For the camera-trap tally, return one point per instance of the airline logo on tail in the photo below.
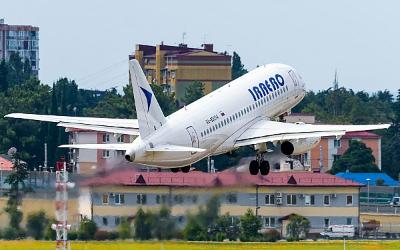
(148, 96)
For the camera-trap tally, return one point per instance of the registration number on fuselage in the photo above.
(212, 119)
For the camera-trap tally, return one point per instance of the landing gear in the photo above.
(259, 165)
(253, 168)
(185, 169)
(174, 170)
(264, 167)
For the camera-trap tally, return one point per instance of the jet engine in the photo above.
(299, 146)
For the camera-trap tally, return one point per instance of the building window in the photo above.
(269, 199)
(291, 199)
(336, 143)
(349, 221)
(231, 198)
(178, 199)
(327, 200)
(105, 221)
(194, 198)
(326, 222)
(106, 153)
(117, 221)
(309, 200)
(141, 199)
(120, 138)
(336, 157)
(106, 138)
(161, 199)
(120, 152)
(119, 199)
(349, 200)
(105, 198)
(269, 222)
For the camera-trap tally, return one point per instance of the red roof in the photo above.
(131, 177)
(5, 164)
(361, 134)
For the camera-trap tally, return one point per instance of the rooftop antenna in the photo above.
(336, 81)
(183, 37)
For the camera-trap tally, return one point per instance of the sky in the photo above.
(89, 41)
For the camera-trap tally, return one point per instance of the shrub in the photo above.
(10, 233)
(49, 233)
(298, 227)
(72, 235)
(87, 229)
(36, 224)
(250, 224)
(272, 235)
(101, 235)
(113, 235)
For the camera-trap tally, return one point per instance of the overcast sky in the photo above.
(90, 41)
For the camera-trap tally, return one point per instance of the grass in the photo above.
(172, 245)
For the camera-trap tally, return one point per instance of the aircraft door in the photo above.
(294, 78)
(193, 137)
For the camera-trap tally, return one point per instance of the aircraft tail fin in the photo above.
(149, 114)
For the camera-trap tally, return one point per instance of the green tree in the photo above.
(143, 225)
(87, 229)
(237, 67)
(165, 228)
(36, 224)
(3, 76)
(357, 158)
(124, 229)
(16, 179)
(193, 231)
(227, 227)
(193, 92)
(298, 227)
(49, 233)
(250, 225)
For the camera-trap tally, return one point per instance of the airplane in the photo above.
(240, 113)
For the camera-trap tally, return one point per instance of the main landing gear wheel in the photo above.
(175, 170)
(253, 167)
(264, 167)
(185, 169)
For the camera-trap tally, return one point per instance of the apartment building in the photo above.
(21, 39)
(323, 199)
(177, 67)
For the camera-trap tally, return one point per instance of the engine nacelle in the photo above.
(299, 146)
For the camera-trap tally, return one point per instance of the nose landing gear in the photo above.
(259, 165)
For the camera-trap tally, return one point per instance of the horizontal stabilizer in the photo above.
(114, 130)
(173, 148)
(107, 146)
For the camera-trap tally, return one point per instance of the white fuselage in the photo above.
(215, 121)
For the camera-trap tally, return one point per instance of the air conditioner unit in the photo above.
(333, 195)
(278, 200)
(302, 196)
(111, 194)
(279, 195)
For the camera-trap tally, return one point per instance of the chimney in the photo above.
(208, 47)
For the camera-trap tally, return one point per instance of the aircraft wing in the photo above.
(105, 146)
(269, 131)
(111, 125)
(174, 148)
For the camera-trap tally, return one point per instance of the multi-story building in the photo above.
(21, 39)
(176, 67)
(331, 148)
(322, 198)
(87, 161)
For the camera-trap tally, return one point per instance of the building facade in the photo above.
(177, 67)
(21, 39)
(88, 161)
(331, 148)
(323, 199)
